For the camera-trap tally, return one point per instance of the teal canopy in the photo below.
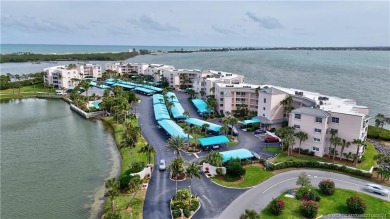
(177, 111)
(147, 91)
(239, 153)
(173, 129)
(250, 121)
(160, 112)
(201, 106)
(199, 122)
(169, 95)
(158, 99)
(222, 139)
(124, 85)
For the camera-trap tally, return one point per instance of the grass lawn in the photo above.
(26, 91)
(273, 149)
(376, 132)
(126, 153)
(232, 143)
(365, 165)
(253, 176)
(331, 204)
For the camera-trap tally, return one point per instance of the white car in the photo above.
(162, 165)
(374, 188)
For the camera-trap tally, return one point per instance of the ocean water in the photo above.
(53, 161)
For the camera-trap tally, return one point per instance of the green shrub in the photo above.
(273, 130)
(277, 206)
(176, 213)
(377, 133)
(230, 178)
(113, 215)
(219, 171)
(356, 205)
(309, 209)
(187, 213)
(234, 168)
(308, 194)
(137, 167)
(124, 180)
(327, 187)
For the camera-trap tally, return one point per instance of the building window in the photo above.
(318, 120)
(263, 108)
(297, 126)
(298, 116)
(220, 104)
(335, 120)
(317, 130)
(265, 100)
(335, 131)
(316, 140)
(316, 149)
(263, 114)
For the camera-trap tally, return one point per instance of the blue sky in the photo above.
(202, 23)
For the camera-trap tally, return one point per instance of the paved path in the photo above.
(258, 197)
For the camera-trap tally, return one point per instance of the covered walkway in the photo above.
(144, 91)
(160, 112)
(198, 122)
(221, 139)
(239, 153)
(158, 99)
(170, 95)
(173, 129)
(177, 111)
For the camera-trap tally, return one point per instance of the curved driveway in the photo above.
(258, 197)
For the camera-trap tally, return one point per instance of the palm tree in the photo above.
(172, 97)
(336, 141)
(169, 106)
(250, 214)
(191, 171)
(358, 143)
(224, 129)
(205, 126)
(380, 121)
(348, 155)
(302, 136)
(134, 186)
(85, 85)
(196, 131)
(344, 144)
(176, 168)
(148, 150)
(189, 131)
(112, 186)
(286, 102)
(288, 140)
(233, 121)
(214, 158)
(176, 144)
(186, 114)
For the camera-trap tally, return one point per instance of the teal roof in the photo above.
(160, 112)
(169, 95)
(201, 105)
(177, 111)
(239, 153)
(213, 140)
(151, 87)
(158, 99)
(199, 122)
(250, 121)
(173, 129)
(124, 85)
(144, 90)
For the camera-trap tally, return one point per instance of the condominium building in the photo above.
(127, 68)
(67, 76)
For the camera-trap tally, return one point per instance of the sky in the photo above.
(197, 23)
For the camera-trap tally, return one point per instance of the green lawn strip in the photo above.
(376, 132)
(232, 143)
(127, 159)
(330, 205)
(253, 176)
(364, 165)
(26, 91)
(273, 149)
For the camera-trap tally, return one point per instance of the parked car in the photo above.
(162, 165)
(216, 146)
(271, 139)
(374, 188)
(260, 131)
(233, 129)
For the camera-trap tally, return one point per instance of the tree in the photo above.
(196, 132)
(234, 168)
(224, 130)
(288, 141)
(189, 131)
(277, 206)
(191, 171)
(286, 102)
(303, 180)
(112, 191)
(302, 136)
(205, 126)
(344, 144)
(134, 186)
(380, 121)
(358, 143)
(336, 141)
(148, 150)
(186, 114)
(85, 85)
(176, 168)
(176, 144)
(356, 205)
(250, 214)
(232, 121)
(214, 158)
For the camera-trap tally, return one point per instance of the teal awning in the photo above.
(170, 95)
(222, 139)
(177, 111)
(160, 112)
(239, 153)
(158, 99)
(201, 106)
(250, 121)
(199, 122)
(173, 129)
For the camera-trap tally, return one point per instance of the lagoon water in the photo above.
(53, 161)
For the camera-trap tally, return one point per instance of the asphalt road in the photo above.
(258, 197)
(161, 189)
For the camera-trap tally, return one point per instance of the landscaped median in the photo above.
(129, 157)
(253, 176)
(330, 205)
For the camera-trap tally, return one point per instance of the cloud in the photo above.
(266, 22)
(150, 24)
(222, 30)
(32, 24)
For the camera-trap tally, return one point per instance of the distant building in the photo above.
(67, 76)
